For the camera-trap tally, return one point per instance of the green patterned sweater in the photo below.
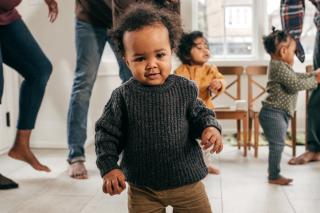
(284, 84)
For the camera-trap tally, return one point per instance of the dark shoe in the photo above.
(6, 183)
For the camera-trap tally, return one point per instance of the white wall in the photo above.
(57, 41)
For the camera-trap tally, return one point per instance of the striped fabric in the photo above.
(292, 14)
(316, 3)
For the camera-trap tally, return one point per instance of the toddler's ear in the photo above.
(283, 51)
(125, 60)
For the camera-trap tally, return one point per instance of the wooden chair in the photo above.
(234, 114)
(253, 112)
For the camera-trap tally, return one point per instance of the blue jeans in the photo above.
(274, 123)
(313, 131)
(20, 51)
(90, 43)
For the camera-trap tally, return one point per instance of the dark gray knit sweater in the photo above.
(155, 127)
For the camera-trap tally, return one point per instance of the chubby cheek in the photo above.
(166, 69)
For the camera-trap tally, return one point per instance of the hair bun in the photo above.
(273, 29)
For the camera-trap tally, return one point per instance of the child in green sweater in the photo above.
(282, 88)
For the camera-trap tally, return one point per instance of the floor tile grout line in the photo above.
(220, 178)
(287, 196)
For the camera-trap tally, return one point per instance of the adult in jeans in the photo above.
(292, 13)
(93, 19)
(20, 51)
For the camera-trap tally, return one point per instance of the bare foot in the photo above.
(213, 170)
(77, 170)
(305, 158)
(316, 157)
(25, 154)
(281, 181)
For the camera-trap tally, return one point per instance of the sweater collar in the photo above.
(158, 88)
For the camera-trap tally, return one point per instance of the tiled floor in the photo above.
(241, 187)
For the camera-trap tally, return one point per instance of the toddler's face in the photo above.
(148, 54)
(200, 52)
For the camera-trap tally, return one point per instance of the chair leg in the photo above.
(250, 132)
(238, 133)
(294, 133)
(245, 134)
(256, 136)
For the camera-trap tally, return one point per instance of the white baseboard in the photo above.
(46, 144)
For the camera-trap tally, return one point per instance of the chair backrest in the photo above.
(236, 71)
(251, 72)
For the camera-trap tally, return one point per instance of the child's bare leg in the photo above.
(207, 160)
(77, 170)
(281, 181)
(21, 151)
(213, 170)
(305, 158)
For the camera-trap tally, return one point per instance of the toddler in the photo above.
(153, 119)
(194, 53)
(282, 88)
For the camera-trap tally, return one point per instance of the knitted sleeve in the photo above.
(290, 80)
(109, 135)
(199, 116)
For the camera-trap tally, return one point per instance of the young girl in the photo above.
(153, 119)
(194, 53)
(282, 87)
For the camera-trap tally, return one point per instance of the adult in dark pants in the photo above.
(292, 13)
(20, 51)
(93, 19)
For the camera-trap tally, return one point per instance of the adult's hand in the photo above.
(53, 10)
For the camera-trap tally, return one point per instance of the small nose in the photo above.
(151, 64)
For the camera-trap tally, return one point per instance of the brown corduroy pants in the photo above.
(190, 198)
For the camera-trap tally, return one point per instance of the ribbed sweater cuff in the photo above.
(106, 167)
(210, 122)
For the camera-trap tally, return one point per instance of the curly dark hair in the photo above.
(140, 15)
(272, 40)
(186, 44)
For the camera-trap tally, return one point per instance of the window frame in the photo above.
(259, 27)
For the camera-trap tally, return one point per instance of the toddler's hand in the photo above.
(212, 137)
(215, 85)
(318, 75)
(114, 182)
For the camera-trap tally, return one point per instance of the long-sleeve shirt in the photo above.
(202, 76)
(284, 84)
(155, 127)
(104, 13)
(96, 12)
(8, 12)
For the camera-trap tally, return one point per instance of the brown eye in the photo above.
(138, 59)
(161, 55)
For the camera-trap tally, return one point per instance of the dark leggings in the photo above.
(20, 51)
